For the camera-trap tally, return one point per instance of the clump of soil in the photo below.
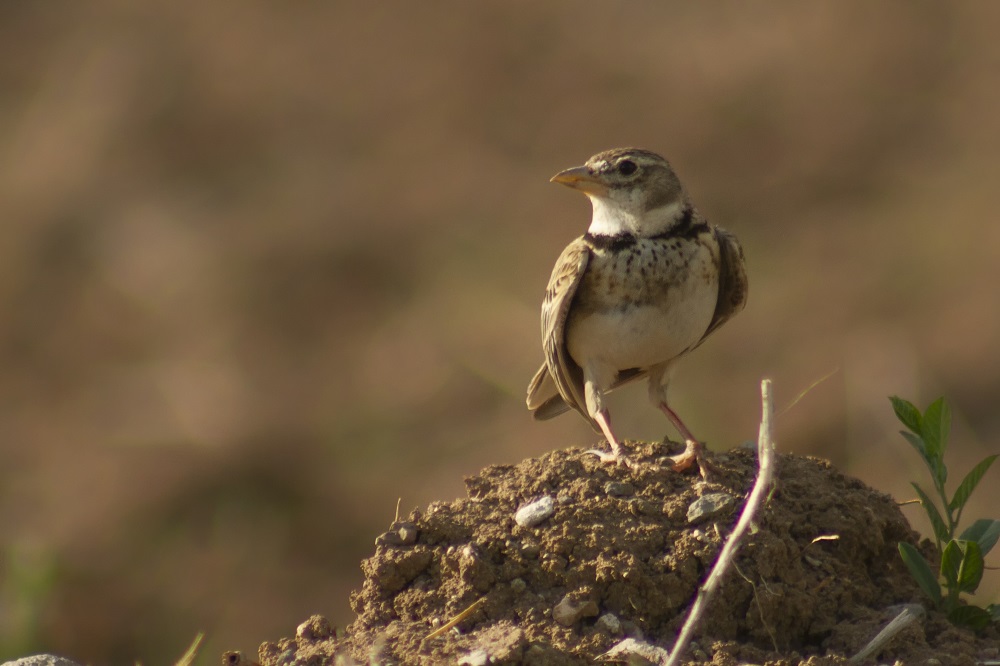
(620, 556)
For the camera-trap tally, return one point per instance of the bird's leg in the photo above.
(595, 405)
(694, 451)
(604, 420)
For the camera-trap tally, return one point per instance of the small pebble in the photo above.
(626, 649)
(388, 539)
(407, 532)
(710, 506)
(41, 660)
(518, 586)
(535, 512)
(619, 489)
(568, 611)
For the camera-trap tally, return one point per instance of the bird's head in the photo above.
(633, 191)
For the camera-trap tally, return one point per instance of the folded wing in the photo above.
(560, 372)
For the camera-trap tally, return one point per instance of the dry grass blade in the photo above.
(807, 389)
(188, 657)
(825, 537)
(765, 461)
(908, 616)
(455, 620)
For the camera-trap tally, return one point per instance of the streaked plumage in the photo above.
(648, 283)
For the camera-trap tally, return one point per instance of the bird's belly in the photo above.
(640, 335)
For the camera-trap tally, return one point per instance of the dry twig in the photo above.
(765, 461)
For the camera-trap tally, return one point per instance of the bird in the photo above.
(647, 284)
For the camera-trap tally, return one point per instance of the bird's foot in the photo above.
(614, 457)
(694, 452)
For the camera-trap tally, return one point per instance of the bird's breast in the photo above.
(644, 304)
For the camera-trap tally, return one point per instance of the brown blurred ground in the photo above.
(265, 268)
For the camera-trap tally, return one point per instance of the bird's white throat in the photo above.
(611, 218)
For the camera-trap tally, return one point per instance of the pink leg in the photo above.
(597, 411)
(676, 420)
(617, 455)
(694, 452)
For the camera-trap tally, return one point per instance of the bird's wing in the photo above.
(732, 281)
(564, 372)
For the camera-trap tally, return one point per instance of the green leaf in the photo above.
(994, 611)
(917, 443)
(906, 412)
(921, 571)
(985, 532)
(951, 563)
(940, 473)
(934, 428)
(970, 572)
(941, 533)
(970, 482)
(973, 617)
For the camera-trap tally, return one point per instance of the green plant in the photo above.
(961, 558)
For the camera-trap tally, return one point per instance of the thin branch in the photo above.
(765, 461)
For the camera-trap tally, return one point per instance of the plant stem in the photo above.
(947, 509)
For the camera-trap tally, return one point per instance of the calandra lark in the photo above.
(649, 281)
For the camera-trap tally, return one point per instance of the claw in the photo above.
(617, 455)
(694, 452)
(612, 458)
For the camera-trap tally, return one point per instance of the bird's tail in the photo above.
(544, 400)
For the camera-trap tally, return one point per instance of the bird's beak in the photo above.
(581, 178)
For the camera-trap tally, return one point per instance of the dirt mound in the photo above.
(618, 552)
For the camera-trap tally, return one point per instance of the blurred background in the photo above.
(267, 268)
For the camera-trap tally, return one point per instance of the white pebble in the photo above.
(533, 513)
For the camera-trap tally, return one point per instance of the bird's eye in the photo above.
(627, 167)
